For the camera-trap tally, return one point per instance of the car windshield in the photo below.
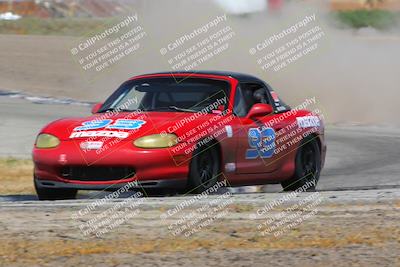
(168, 94)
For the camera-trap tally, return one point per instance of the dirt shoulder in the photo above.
(350, 228)
(43, 65)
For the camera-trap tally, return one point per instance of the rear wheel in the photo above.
(308, 167)
(204, 169)
(54, 193)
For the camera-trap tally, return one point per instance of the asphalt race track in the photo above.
(358, 157)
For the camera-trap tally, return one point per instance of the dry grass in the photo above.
(16, 176)
(29, 251)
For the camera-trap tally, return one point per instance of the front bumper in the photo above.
(153, 168)
(171, 183)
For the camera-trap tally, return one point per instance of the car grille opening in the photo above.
(96, 173)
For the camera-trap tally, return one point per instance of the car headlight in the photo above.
(47, 141)
(156, 141)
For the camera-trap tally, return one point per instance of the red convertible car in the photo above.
(181, 132)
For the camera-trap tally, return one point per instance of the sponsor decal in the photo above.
(95, 145)
(308, 121)
(275, 96)
(123, 124)
(230, 167)
(87, 129)
(229, 131)
(115, 134)
(281, 108)
(62, 159)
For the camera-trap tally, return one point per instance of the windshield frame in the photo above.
(128, 85)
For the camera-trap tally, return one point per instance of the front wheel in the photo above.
(307, 169)
(204, 169)
(45, 193)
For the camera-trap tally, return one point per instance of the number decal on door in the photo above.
(261, 142)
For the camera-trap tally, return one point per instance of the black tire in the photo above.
(204, 170)
(54, 193)
(307, 168)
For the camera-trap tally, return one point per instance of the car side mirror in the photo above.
(259, 110)
(96, 107)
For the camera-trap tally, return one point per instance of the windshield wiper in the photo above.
(173, 108)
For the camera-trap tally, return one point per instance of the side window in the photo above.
(280, 106)
(240, 107)
(248, 94)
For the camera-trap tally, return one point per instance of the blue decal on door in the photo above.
(261, 142)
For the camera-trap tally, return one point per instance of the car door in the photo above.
(256, 137)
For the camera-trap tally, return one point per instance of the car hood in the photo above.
(151, 123)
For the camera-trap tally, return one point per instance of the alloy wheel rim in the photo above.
(309, 164)
(206, 168)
